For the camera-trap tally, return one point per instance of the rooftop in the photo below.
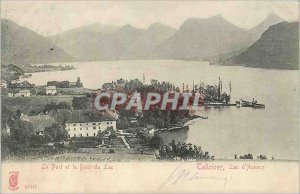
(40, 122)
(24, 91)
(60, 115)
(50, 87)
(86, 116)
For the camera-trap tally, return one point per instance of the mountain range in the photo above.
(125, 42)
(196, 39)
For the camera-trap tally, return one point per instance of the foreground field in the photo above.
(26, 104)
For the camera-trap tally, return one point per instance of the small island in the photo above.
(46, 67)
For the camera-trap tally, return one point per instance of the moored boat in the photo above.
(252, 104)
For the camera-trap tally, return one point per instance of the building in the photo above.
(5, 131)
(113, 113)
(51, 90)
(23, 93)
(85, 123)
(66, 84)
(40, 122)
(18, 84)
(10, 94)
(15, 81)
(3, 84)
(76, 84)
(24, 117)
(72, 84)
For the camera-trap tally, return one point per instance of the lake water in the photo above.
(272, 131)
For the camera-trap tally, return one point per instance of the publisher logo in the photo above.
(13, 180)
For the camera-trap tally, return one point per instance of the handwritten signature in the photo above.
(181, 175)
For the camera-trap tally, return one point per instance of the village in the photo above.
(59, 118)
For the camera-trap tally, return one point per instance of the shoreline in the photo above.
(28, 69)
(184, 125)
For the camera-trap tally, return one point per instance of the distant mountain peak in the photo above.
(273, 16)
(216, 20)
(158, 26)
(214, 17)
(90, 28)
(128, 26)
(21, 45)
(219, 16)
(129, 29)
(99, 25)
(270, 51)
(270, 20)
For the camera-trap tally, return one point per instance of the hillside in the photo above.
(19, 45)
(277, 48)
(84, 42)
(259, 29)
(198, 38)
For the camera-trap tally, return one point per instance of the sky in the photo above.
(52, 17)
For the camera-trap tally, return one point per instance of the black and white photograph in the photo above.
(209, 84)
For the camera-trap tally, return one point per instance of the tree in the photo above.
(5, 117)
(21, 131)
(113, 133)
(134, 85)
(49, 107)
(64, 105)
(55, 133)
(123, 123)
(36, 141)
(54, 106)
(155, 141)
(101, 134)
(18, 114)
(80, 102)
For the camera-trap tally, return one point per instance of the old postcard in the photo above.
(149, 96)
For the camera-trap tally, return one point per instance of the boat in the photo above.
(251, 104)
(214, 104)
(238, 104)
(254, 105)
(218, 104)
